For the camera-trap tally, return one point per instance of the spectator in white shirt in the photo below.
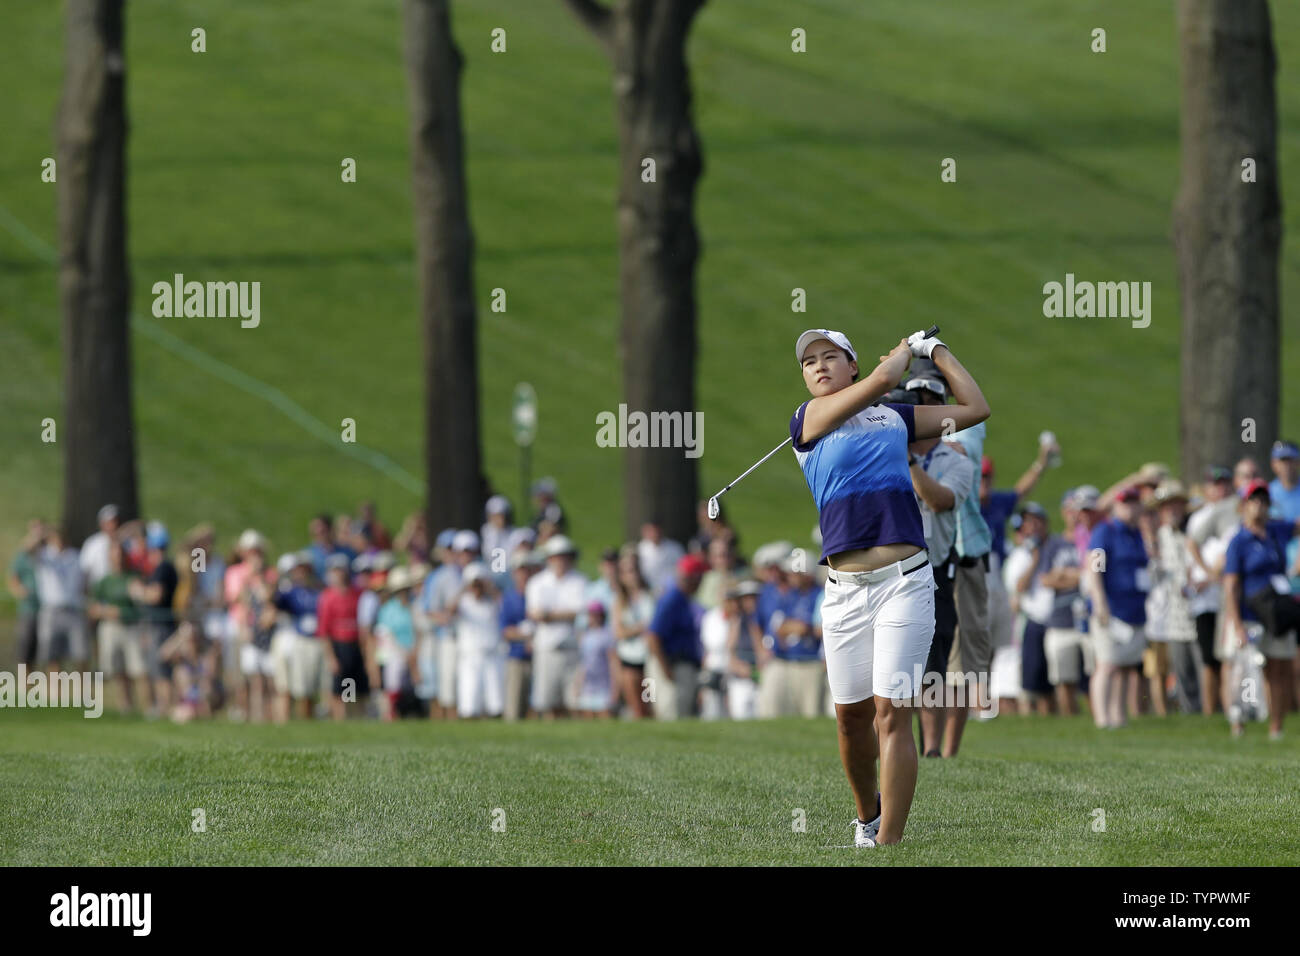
(94, 552)
(1209, 529)
(480, 649)
(496, 532)
(715, 635)
(554, 598)
(61, 626)
(658, 556)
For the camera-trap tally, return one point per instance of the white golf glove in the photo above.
(921, 346)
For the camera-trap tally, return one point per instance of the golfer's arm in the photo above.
(971, 407)
(828, 412)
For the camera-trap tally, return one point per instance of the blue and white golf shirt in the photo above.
(859, 479)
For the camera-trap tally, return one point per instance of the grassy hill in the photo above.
(822, 171)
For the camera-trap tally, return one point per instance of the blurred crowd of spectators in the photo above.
(1148, 595)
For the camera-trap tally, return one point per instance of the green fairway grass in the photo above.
(118, 791)
(821, 172)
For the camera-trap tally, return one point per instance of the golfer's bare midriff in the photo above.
(868, 559)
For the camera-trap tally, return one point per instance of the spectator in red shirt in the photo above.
(346, 650)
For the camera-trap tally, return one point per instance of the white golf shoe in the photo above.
(863, 833)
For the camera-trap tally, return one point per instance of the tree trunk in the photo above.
(444, 249)
(97, 431)
(1227, 233)
(658, 243)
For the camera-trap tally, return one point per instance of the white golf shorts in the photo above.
(877, 636)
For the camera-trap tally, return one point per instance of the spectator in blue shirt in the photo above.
(1119, 580)
(1255, 567)
(673, 642)
(770, 610)
(1284, 490)
(301, 663)
(798, 643)
(517, 631)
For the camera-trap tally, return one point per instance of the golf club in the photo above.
(714, 510)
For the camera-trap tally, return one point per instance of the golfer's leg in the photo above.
(897, 766)
(848, 641)
(902, 634)
(855, 728)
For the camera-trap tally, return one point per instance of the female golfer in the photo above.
(878, 611)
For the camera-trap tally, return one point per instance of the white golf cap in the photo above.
(287, 562)
(812, 335)
(559, 544)
(465, 541)
(107, 513)
(498, 505)
(474, 571)
(399, 579)
(250, 540)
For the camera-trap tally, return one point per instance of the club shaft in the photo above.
(755, 465)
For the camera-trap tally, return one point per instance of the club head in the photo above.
(714, 511)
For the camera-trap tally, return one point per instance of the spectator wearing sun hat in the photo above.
(673, 644)
(394, 631)
(1258, 602)
(554, 598)
(1173, 564)
(745, 645)
(240, 662)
